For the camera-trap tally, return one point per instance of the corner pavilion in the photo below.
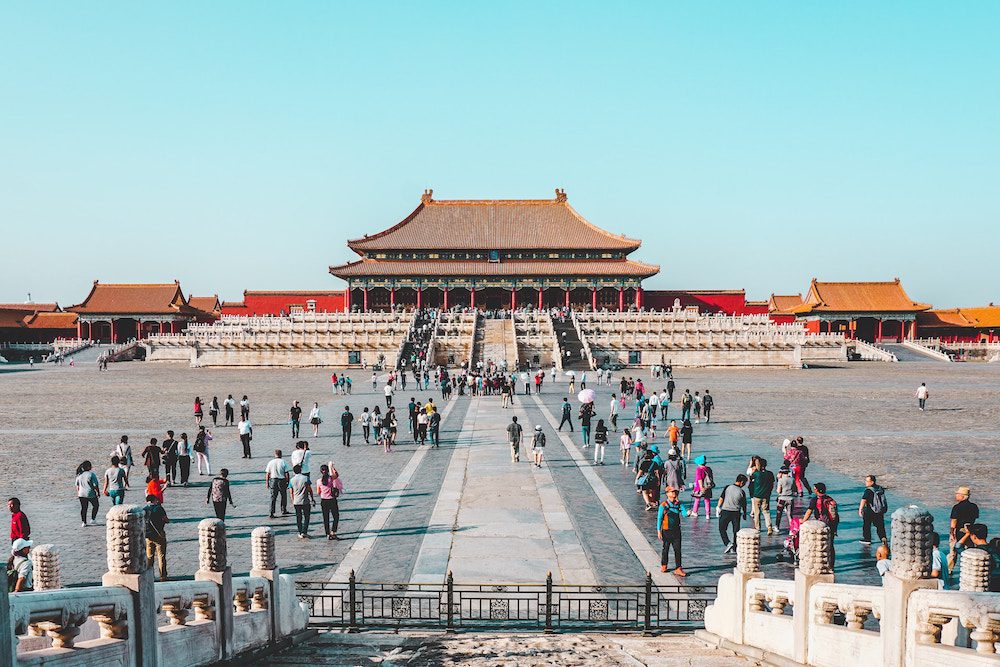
(494, 254)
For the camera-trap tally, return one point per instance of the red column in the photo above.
(913, 329)
(472, 297)
(540, 303)
(114, 336)
(364, 300)
(567, 297)
(420, 291)
(513, 298)
(638, 298)
(138, 329)
(79, 328)
(347, 299)
(593, 299)
(446, 298)
(878, 335)
(621, 299)
(392, 297)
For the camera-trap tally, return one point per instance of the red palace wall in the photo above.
(274, 303)
(732, 302)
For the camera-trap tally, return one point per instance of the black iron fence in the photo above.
(549, 607)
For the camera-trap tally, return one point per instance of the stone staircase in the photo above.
(569, 339)
(499, 342)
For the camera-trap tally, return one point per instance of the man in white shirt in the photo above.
(301, 456)
(922, 396)
(276, 476)
(245, 429)
(388, 395)
(613, 415)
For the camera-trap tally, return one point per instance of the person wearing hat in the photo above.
(668, 528)
(704, 482)
(963, 514)
(22, 565)
(538, 445)
(674, 470)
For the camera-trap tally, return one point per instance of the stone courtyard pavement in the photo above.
(416, 513)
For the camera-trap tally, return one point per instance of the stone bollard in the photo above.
(912, 553)
(45, 559)
(213, 565)
(127, 567)
(747, 568)
(974, 576)
(264, 564)
(748, 550)
(814, 568)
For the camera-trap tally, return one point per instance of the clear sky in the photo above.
(237, 145)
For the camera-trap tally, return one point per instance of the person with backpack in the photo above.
(201, 440)
(707, 403)
(169, 456)
(567, 415)
(687, 401)
(156, 534)
(20, 569)
(123, 451)
(538, 445)
(600, 442)
(704, 482)
(824, 508)
(731, 506)
(872, 511)
(668, 528)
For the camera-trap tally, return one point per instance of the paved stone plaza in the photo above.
(418, 512)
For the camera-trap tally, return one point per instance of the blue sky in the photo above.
(238, 145)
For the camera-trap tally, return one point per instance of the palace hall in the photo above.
(494, 254)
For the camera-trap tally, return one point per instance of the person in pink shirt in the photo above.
(704, 482)
(328, 488)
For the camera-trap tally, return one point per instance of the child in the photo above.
(625, 444)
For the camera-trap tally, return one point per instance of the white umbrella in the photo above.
(586, 396)
(571, 373)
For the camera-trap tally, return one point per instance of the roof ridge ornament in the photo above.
(561, 196)
(426, 198)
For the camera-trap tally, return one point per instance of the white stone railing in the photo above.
(213, 618)
(920, 348)
(583, 340)
(68, 346)
(811, 620)
(869, 352)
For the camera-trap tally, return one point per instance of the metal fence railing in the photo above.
(548, 607)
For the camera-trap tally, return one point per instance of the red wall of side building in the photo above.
(274, 303)
(732, 302)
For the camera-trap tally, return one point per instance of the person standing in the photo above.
(219, 494)
(761, 486)
(245, 430)
(538, 446)
(707, 403)
(786, 497)
(798, 461)
(964, 513)
(151, 458)
(422, 422)
(872, 511)
(824, 508)
(169, 457)
(731, 506)
(922, 395)
(22, 569)
(184, 452)
(213, 411)
(230, 407)
(315, 419)
(115, 481)
(514, 438)
(276, 476)
(388, 395)
(366, 425)
(295, 414)
(244, 407)
(201, 441)
(328, 488)
(434, 428)
(87, 491)
(156, 534)
(346, 424)
(668, 528)
(199, 410)
(600, 442)
(567, 415)
(374, 381)
(302, 501)
(302, 457)
(586, 412)
(20, 528)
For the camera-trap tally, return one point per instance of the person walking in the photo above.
(244, 407)
(514, 438)
(537, 445)
(872, 510)
(388, 395)
(786, 497)
(687, 401)
(366, 425)
(316, 420)
(302, 457)
(276, 477)
(668, 528)
(600, 442)
(798, 461)
(346, 424)
(328, 488)
(625, 447)
(707, 403)
(123, 451)
(115, 482)
(567, 415)
(687, 435)
(87, 491)
(295, 415)
(156, 534)
(613, 414)
(169, 457)
(674, 470)
(422, 421)
(154, 487)
(670, 389)
(219, 494)
(229, 405)
(199, 410)
(184, 452)
(731, 507)
(434, 428)
(21, 568)
(151, 458)
(704, 485)
(922, 395)
(201, 453)
(20, 528)
(761, 486)
(302, 500)
(213, 411)
(245, 430)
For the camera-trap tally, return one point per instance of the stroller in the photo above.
(790, 551)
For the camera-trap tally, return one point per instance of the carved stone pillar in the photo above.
(127, 567)
(814, 568)
(748, 551)
(814, 548)
(45, 559)
(974, 576)
(912, 551)
(213, 565)
(264, 564)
